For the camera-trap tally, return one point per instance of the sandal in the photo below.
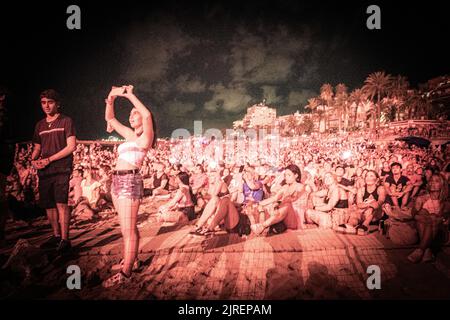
(117, 279)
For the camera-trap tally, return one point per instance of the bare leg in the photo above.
(52, 215)
(224, 211)
(278, 216)
(368, 217)
(64, 219)
(127, 210)
(355, 218)
(405, 200)
(425, 242)
(210, 208)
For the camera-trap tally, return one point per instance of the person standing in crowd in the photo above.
(54, 143)
(127, 184)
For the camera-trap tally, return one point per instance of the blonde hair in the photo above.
(443, 194)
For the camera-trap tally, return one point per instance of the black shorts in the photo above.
(53, 189)
(189, 212)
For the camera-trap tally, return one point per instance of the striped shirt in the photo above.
(52, 136)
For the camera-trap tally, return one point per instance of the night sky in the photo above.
(193, 60)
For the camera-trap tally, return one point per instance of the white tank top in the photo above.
(131, 153)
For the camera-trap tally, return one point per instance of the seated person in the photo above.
(226, 176)
(277, 182)
(385, 170)
(173, 174)
(199, 183)
(218, 208)
(90, 192)
(181, 207)
(105, 198)
(431, 212)
(369, 200)
(397, 187)
(160, 181)
(347, 189)
(278, 208)
(236, 185)
(252, 187)
(414, 178)
(324, 202)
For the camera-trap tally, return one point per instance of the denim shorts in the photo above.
(129, 186)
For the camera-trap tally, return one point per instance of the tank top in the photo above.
(367, 194)
(131, 153)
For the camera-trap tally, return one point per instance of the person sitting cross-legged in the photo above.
(278, 210)
(431, 212)
(369, 200)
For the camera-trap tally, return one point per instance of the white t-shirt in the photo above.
(88, 190)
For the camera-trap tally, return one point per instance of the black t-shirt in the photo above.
(400, 184)
(53, 138)
(157, 182)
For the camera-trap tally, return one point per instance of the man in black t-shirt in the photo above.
(54, 142)
(345, 184)
(397, 187)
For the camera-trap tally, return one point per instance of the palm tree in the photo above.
(398, 93)
(341, 104)
(316, 106)
(292, 125)
(376, 86)
(417, 105)
(326, 95)
(357, 97)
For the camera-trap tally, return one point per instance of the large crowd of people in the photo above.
(343, 182)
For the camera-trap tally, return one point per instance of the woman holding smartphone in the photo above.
(127, 184)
